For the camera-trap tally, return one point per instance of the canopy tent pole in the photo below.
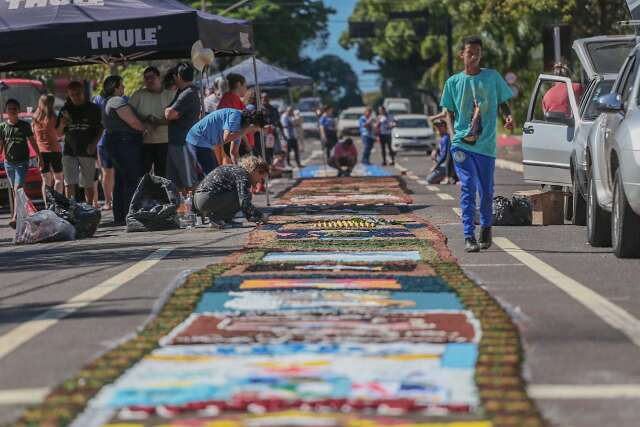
(262, 141)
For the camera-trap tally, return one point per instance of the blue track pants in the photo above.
(476, 177)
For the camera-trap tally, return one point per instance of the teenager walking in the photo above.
(474, 96)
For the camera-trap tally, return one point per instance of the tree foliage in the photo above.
(413, 60)
(337, 83)
(282, 28)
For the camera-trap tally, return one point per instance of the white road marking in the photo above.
(414, 177)
(509, 165)
(23, 396)
(610, 313)
(514, 264)
(567, 392)
(445, 196)
(29, 329)
(457, 211)
(314, 154)
(400, 167)
(433, 188)
(422, 182)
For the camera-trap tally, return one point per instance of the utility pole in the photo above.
(203, 5)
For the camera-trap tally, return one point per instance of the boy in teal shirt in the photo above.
(473, 97)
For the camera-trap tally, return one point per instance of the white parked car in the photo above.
(613, 165)
(556, 136)
(310, 123)
(348, 121)
(412, 132)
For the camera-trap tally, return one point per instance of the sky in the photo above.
(338, 24)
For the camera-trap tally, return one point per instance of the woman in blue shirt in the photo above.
(224, 126)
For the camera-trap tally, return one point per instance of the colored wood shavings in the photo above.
(432, 327)
(355, 223)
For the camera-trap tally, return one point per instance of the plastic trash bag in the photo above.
(39, 227)
(154, 205)
(516, 211)
(521, 211)
(84, 217)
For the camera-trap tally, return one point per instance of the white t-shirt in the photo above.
(148, 103)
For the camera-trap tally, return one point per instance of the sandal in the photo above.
(106, 207)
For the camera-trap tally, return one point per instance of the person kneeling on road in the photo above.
(227, 190)
(224, 126)
(344, 158)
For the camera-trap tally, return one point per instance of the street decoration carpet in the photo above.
(305, 327)
(322, 171)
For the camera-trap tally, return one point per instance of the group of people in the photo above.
(160, 129)
(343, 155)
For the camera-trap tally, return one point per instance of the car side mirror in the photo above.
(611, 103)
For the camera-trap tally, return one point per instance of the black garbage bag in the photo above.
(516, 211)
(154, 205)
(521, 211)
(84, 217)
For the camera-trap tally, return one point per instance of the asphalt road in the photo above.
(581, 349)
(577, 306)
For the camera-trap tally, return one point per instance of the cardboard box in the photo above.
(548, 206)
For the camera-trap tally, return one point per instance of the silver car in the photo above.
(561, 117)
(613, 165)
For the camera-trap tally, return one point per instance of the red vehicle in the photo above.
(27, 93)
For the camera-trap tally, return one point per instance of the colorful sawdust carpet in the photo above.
(321, 171)
(346, 332)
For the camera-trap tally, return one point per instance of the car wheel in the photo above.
(578, 204)
(598, 220)
(625, 224)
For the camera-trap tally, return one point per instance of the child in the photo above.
(15, 134)
(440, 155)
(278, 166)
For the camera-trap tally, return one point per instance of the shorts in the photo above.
(51, 162)
(79, 170)
(182, 166)
(103, 157)
(16, 173)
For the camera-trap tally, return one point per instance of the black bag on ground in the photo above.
(516, 211)
(84, 217)
(154, 205)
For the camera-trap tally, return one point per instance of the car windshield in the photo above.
(603, 88)
(27, 95)
(607, 57)
(412, 123)
(351, 116)
(309, 119)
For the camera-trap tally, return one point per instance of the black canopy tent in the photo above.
(269, 76)
(54, 33)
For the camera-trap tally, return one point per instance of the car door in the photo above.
(547, 141)
(615, 120)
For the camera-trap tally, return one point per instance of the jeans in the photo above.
(385, 143)
(217, 206)
(155, 155)
(206, 159)
(16, 172)
(125, 152)
(476, 176)
(292, 145)
(367, 141)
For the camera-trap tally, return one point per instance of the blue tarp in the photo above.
(49, 33)
(269, 76)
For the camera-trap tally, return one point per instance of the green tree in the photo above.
(412, 59)
(337, 83)
(282, 28)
